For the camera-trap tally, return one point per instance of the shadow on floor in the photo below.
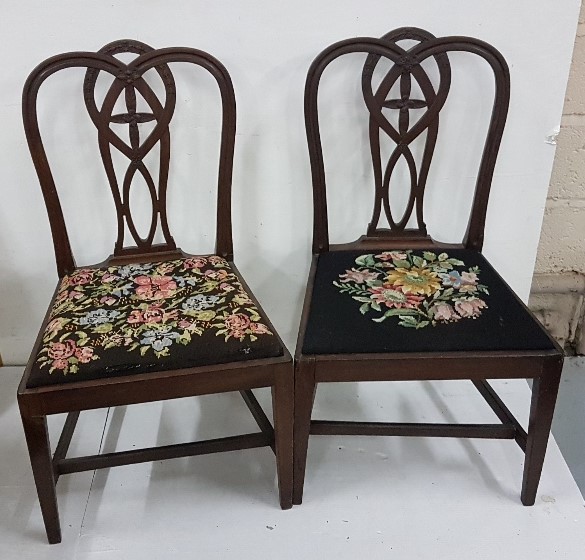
(569, 420)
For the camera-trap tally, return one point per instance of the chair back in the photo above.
(128, 79)
(406, 67)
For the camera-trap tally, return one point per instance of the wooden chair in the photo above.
(151, 322)
(397, 305)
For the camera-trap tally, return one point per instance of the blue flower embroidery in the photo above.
(159, 339)
(133, 269)
(200, 302)
(98, 316)
(451, 278)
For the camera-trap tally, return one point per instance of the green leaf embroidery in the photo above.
(362, 299)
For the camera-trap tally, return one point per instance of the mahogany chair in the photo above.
(396, 305)
(150, 323)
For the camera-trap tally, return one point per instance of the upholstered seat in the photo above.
(154, 316)
(415, 301)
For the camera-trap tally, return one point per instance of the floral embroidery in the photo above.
(145, 308)
(420, 290)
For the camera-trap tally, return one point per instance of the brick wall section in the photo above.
(558, 289)
(562, 241)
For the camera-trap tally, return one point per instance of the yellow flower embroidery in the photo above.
(415, 280)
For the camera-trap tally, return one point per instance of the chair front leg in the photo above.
(39, 448)
(282, 407)
(305, 388)
(542, 407)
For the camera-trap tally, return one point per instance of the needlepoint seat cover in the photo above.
(415, 301)
(156, 316)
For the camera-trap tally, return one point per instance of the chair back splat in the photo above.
(128, 80)
(407, 67)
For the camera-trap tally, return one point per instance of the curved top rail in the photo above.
(406, 65)
(127, 80)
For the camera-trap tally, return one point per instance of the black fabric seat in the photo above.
(415, 301)
(155, 316)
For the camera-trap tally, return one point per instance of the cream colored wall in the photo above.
(558, 289)
(562, 241)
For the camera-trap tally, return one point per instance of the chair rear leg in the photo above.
(282, 406)
(37, 440)
(544, 396)
(305, 387)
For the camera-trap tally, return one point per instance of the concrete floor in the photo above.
(378, 498)
(569, 420)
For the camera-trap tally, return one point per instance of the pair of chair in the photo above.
(153, 323)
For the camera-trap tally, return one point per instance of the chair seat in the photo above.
(158, 316)
(415, 301)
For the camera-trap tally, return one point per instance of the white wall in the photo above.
(267, 47)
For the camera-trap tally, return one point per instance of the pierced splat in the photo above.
(405, 68)
(127, 82)
(407, 65)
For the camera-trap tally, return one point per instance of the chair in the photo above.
(150, 323)
(396, 305)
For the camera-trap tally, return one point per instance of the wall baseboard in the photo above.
(558, 300)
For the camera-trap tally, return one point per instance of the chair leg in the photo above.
(37, 440)
(305, 388)
(282, 406)
(544, 396)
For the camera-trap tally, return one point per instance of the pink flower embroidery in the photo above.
(259, 328)
(393, 296)
(358, 276)
(108, 277)
(444, 312)
(216, 274)
(62, 350)
(155, 287)
(81, 276)
(215, 260)
(186, 324)
(470, 307)
(237, 324)
(391, 255)
(152, 314)
(468, 282)
(84, 355)
(60, 364)
(108, 300)
(135, 317)
(195, 263)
